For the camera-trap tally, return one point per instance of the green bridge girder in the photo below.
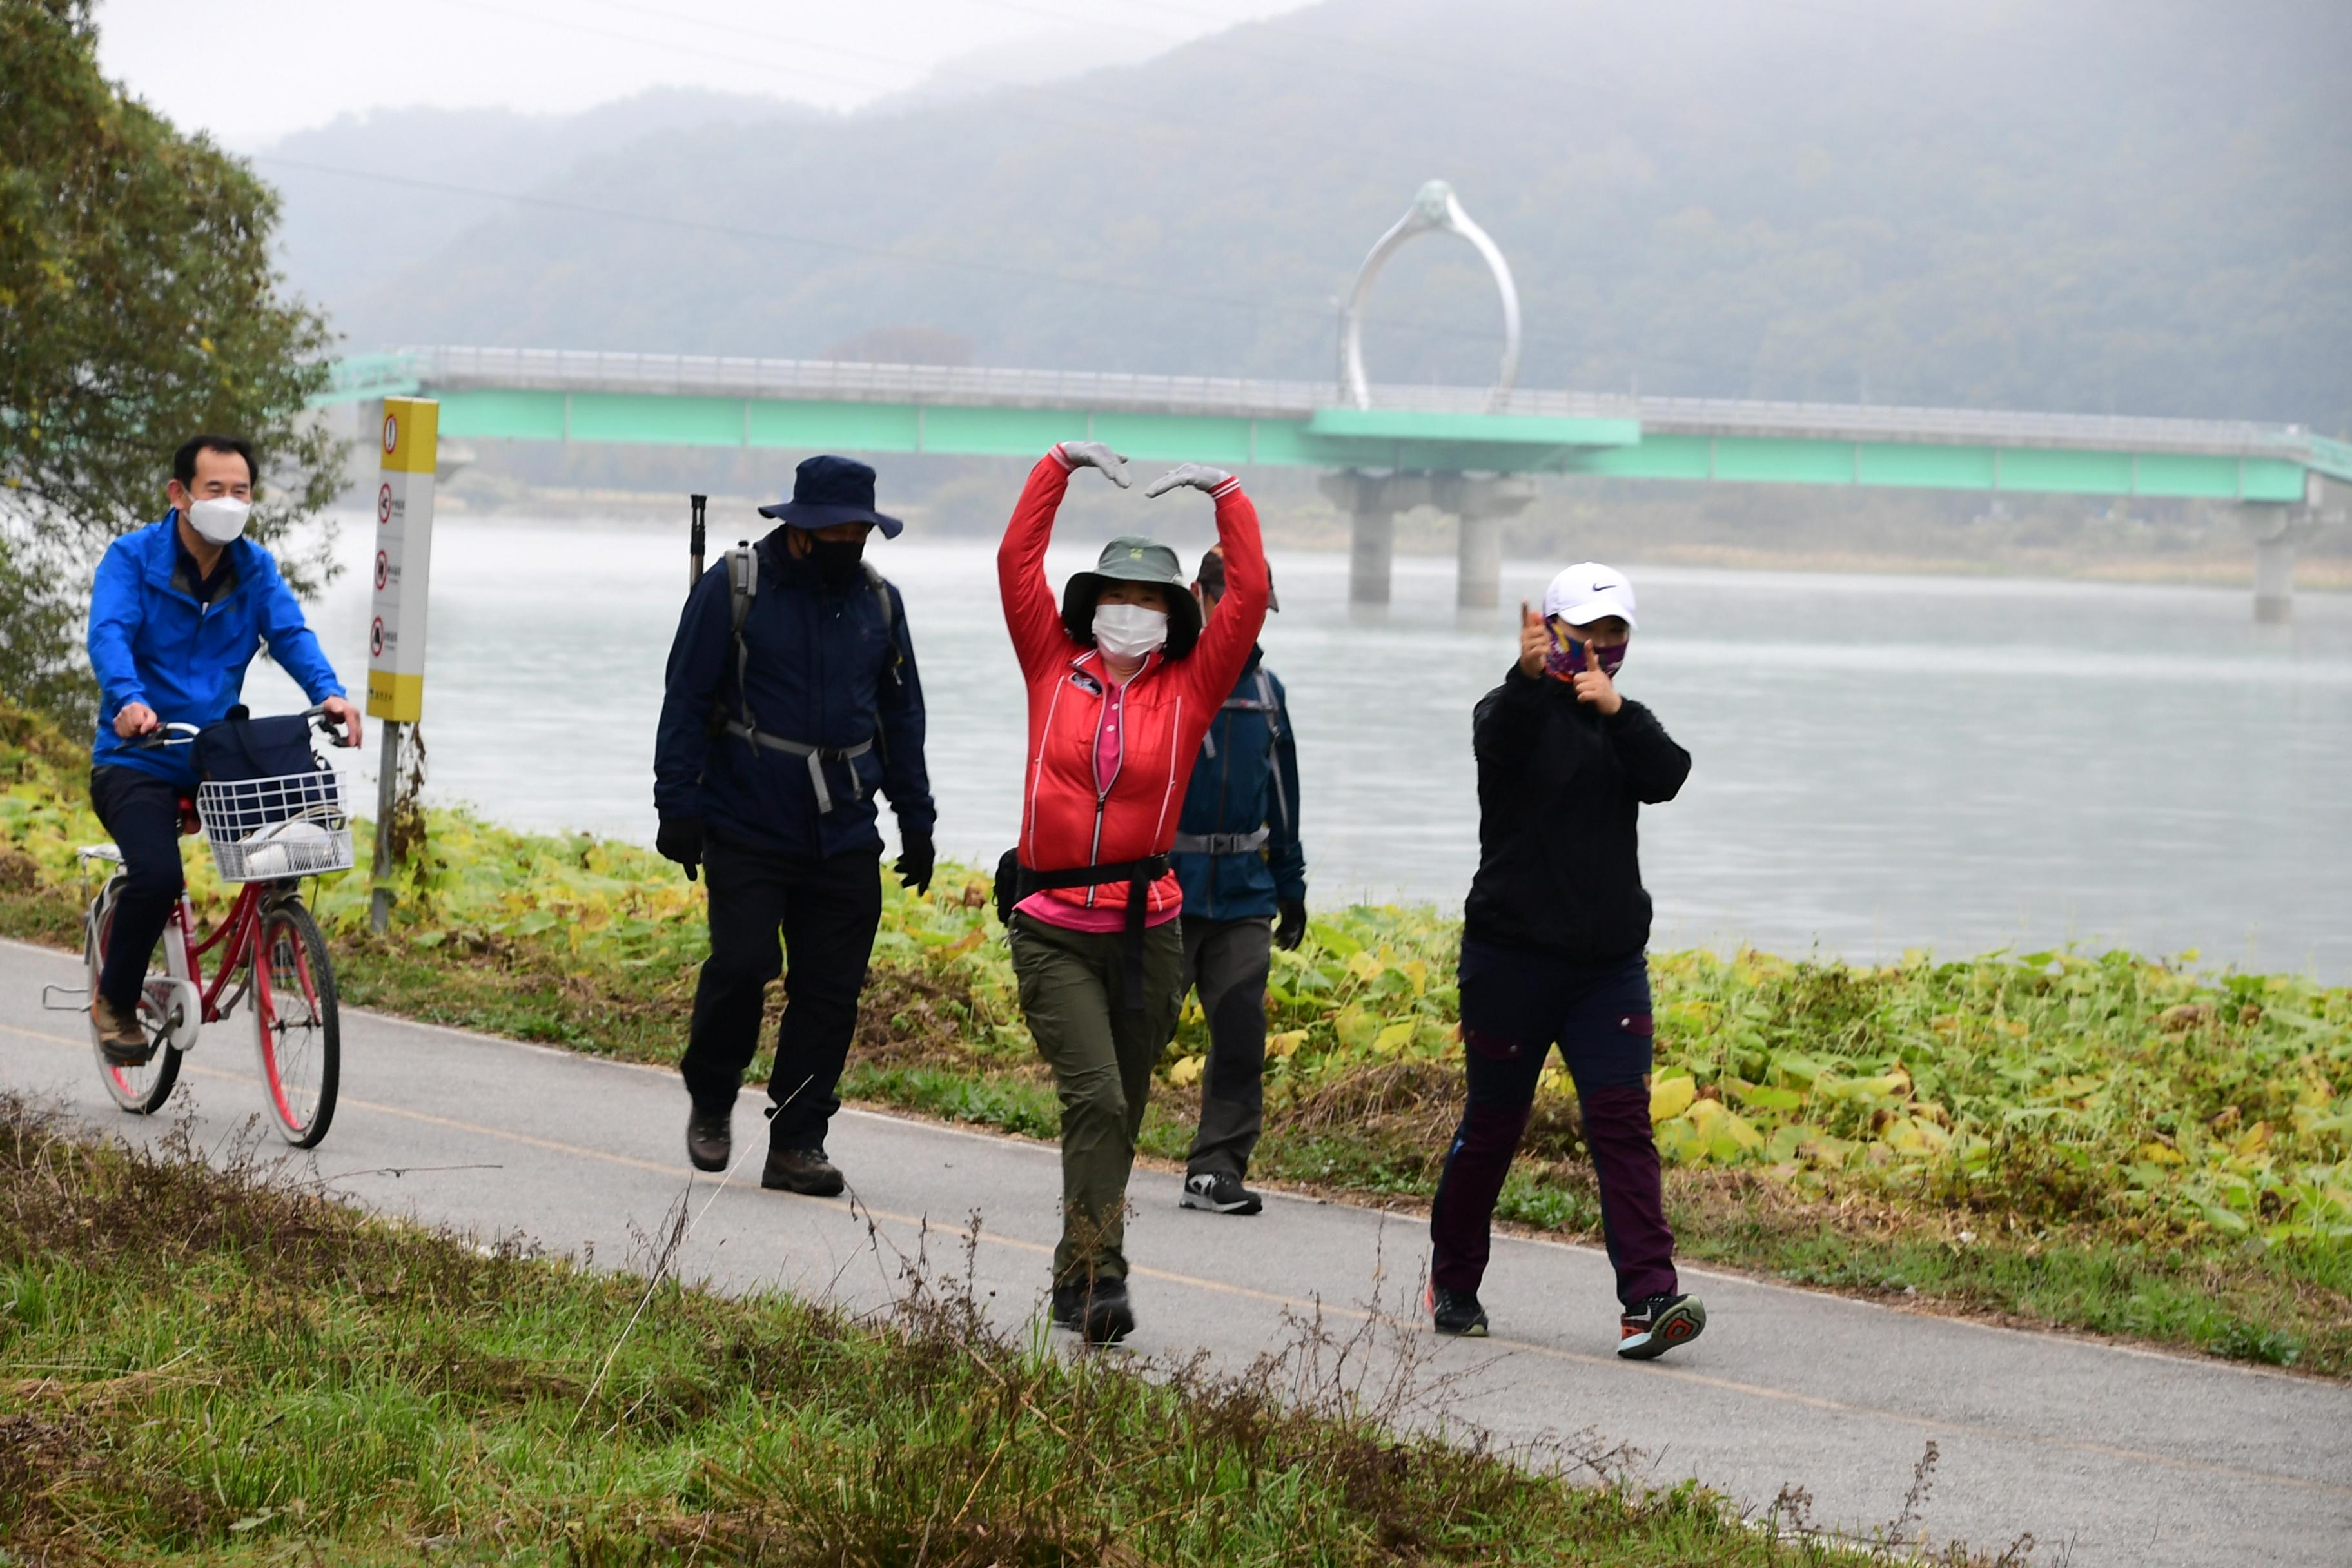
(2241, 463)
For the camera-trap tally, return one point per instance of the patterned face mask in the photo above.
(1568, 657)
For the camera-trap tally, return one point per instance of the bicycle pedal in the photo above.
(50, 992)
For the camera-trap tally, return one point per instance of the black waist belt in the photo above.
(1222, 843)
(1138, 876)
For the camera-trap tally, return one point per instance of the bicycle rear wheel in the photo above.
(141, 1090)
(296, 1031)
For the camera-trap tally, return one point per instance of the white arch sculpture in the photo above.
(1435, 208)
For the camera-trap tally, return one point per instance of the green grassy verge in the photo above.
(2116, 1145)
(206, 1362)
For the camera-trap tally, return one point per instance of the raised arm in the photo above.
(1653, 763)
(1225, 642)
(1031, 614)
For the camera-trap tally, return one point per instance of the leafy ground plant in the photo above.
(211, 1361)
(2117, 1144)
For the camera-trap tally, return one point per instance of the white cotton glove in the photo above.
(1200, 476)
(1095, 455)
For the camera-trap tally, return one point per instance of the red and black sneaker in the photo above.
(1659, 1324)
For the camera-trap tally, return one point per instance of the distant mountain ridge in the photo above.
(2106, 206)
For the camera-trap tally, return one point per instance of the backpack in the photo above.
(743, 586)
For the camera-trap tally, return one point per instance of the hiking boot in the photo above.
(1098, 1312)
(1456, 1313)
(804, 1171)
(711, 1138)
(1220, 1193)
(1659, 1324)
(119, 1038)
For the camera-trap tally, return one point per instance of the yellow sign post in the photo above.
(402, 563)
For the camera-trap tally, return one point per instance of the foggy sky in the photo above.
(251, 70)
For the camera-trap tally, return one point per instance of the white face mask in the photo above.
(220, 519)
(1130, 631)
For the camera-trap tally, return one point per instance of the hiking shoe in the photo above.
(804, 1171)
(1659, 1324)
(1220, 1193)
(1456, 1313)
(119, 1038)
(709, 1137)
(1098, 1311)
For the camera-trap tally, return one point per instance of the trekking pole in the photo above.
(694, 545)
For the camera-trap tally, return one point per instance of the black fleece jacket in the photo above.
(1559, 788)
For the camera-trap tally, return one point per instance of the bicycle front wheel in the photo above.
(142, 1090)
(296, 1032)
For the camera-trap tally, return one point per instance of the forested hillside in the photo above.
(2110, 204)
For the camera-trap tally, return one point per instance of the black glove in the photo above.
(679, 839)
(1290, 925)
(915, 861)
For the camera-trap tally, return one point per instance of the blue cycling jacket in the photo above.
(822, 672)
(150, 642)
(1245, 778)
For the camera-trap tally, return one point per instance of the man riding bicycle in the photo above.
(179, 610)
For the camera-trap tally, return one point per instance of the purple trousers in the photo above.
(1516, 1005)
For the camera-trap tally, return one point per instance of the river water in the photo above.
(1881, 763)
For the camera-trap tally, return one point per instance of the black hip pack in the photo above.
(1015, 882)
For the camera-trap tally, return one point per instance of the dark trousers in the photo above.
(142, 813)
(1515, 1006)
(1074, 996)
(828, 910)
(1228, 960)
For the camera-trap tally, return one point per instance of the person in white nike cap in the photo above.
(1553, 942)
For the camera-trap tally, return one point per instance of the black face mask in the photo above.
(836, 558)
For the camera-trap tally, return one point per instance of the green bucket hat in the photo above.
(1133, 558)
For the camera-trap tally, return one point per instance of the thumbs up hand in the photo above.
(1535, 642)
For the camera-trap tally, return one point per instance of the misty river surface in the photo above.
(1881, 763)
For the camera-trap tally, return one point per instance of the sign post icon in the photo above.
(404, 554)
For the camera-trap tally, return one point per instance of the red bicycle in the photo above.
(266, 833)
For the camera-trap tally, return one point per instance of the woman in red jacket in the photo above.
(1123, 680)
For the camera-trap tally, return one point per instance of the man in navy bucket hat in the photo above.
(791, 702)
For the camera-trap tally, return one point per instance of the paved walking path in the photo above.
(2106, 1455)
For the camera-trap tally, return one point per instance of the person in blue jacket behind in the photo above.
(1245, 876)
(773, 742)
(179, 609)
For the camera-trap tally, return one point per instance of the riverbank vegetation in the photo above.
(2117, 1144)
(212, 1361)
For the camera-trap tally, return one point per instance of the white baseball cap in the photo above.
(1586, 592)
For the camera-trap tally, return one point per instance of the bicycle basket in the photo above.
(264, 829)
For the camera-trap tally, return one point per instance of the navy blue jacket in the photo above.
(1245, 778)
(150, 642)
(821, 674)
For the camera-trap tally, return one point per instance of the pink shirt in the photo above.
(1108, 749)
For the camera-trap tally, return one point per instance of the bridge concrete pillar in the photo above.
(1480, 505)
(1371, 502)
(2275, 580)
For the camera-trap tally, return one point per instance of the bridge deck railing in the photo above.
(587, 371)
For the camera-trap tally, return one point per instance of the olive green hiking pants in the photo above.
(1072, 992)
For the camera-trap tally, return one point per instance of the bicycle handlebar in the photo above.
(327, 725)
(182, 734)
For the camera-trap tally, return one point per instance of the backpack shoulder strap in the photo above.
(742, 587)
